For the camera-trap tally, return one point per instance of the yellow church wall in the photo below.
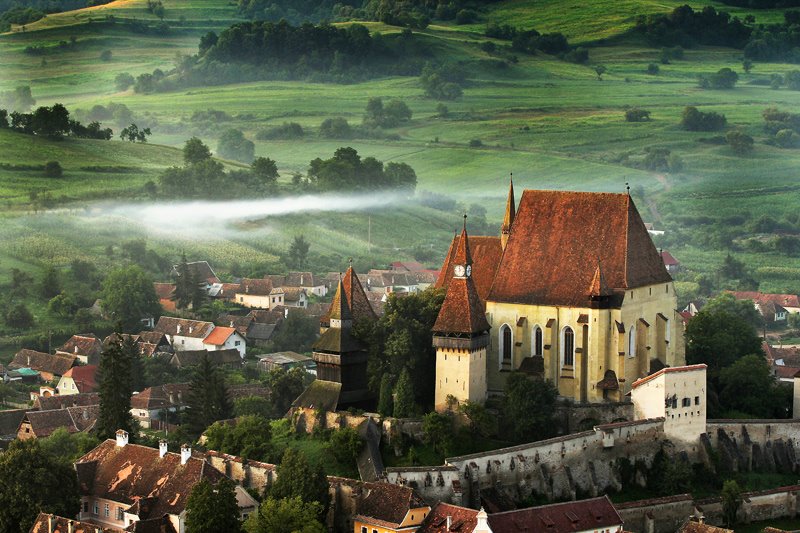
(460, 373)
(604, 346)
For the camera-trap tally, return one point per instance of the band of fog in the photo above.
(199, 215)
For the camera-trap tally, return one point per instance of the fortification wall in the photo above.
(656, 515)
(433, 483)
(762, 445)
(249, 474)
(579, 417)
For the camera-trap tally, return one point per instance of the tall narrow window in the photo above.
(568, 347)
(505, 334)
(632, 341)
(537, 341)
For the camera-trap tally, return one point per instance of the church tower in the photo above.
(461, 335)
(508, 219)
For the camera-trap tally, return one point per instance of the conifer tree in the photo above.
(183, 293)
(114, 388)
(208, 399)
(385, 397)
(213, 508)
(297, 478)
(404, 396)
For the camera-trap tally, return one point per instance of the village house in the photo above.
(225, 338)
(153, 403)
(46, 403)
(165, 292)
(389, 281)
(258, 326)
(573, 290)
(148, 343)
(200, 271)
(385, 508)
(122, 483)
(49, 523)
(40, 424)
(50, 367)
(86, 347)
(295, 297)
(583, 516)
(312, 285)
(287, 361)
(773, 307)
(9, 425)
(672, 265)
(184, 334)
(784, 361)
(78, 379)
(258, 294)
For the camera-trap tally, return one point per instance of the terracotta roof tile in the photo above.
(436, 521)
(161, 396)
(183, 327)
(357, 301)
(255, 287)
(46, 403)
(219, 335)
(486, 253)
(84, 344)
(388, 502)
(73, 419)
(126, 474)
(696, 527)
(669, 369)
(668, 259)
(165, 291)
(583, 515)
(182, 359)
(43, 362)
(557, 240)
(200, 270)
(47, 523)
(85, 377)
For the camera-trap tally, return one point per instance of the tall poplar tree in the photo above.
(208, 399)
(115, 388)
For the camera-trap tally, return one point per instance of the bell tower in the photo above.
(461, 335)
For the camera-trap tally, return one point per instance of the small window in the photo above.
(364, 529)
(237, 343)
(96, 508)
(697, 400)
(120, 514)
(537, 341)
(106, 510)
(505, 335)
(568, 347)
(686, 402)
(86, 506)
(675, 402)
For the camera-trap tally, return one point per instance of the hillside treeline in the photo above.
(411, 13)
(686, 27)
(19, 12)
(262, 50)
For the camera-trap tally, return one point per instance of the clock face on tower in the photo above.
(459, 270)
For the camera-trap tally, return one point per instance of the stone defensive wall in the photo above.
(665, 515)
(249, 474)
(580, 464)
(762, 445)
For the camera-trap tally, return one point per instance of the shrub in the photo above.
(123, 81)
(579, 55)
(792, 80)
(637, 115)
(233, 145)
(287, 130)
(475, 143)
(786, 138)
(695, 120)
(19, 317)
(52, 169)
(740, 142)
(106, 55)
(724, 78)
(466, 16)
(335, 128)
(653, 69)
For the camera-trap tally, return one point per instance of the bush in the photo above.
(123, 81)
(695, 120)
(466, 16)
(792, 80)
(19, 317)
(475, 143)
(741, 143)
(106, 55)
(233, 145)
(637, 115)
(335, 128)
(724, 78)
(579, 55)
(52, 169)
(653, 69)
(286, 131)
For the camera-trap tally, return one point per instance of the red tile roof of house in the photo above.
(219, 335)
(183, 327)
(73, 419)
(161, 396)
(583, 515)
(43, 362)
(387, 503)
(559, 238)
(255, 287)
(790, 300)
(668, 259)
(85, 377)
(164, 291)
(48, 523)
(789, 354)
(668, 370)
(132, 473)
(461, 517)
(46, 403)
(86, 344)
(786, 372)
(486, 253)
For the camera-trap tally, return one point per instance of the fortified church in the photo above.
(572, 290)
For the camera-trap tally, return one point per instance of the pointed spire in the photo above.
(340, 310)
(463, 256)
(511, 213)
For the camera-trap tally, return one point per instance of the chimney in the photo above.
(449, 522)
(50, 523)
(29, 361)
(76, 349)
(179, 328)
(482, 525)
(122, 438)
(70, 527)
(191, 328)
(162, 448)
(186, 453)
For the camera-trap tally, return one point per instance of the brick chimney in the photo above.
(70, 527)
(122, 438)
(162, 448)
(50, 521)
(186, 453)
(179, 329)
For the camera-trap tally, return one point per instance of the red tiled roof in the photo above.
(85, 377)
(46, 403)
(42, 362)
(73, 419)
(387, 502)
(340, 308)
(668, 259)
(219, 335)
(789, 354)
(486, 253)
(557, 240)
(786, 372)
(696, 527)
(161, 396)
(48, 523)
(584, 515)
(85, 344)
(790, 300)
(255, 287)
(188, 328)
(461, 517)
(670, 370)
(132, 473)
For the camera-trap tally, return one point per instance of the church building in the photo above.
(572, 290)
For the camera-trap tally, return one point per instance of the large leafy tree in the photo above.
(296, 333)
(528, 407)
(33, 481)
(298, 252)
(250, 438)
(747, 388)
(194, 151)
(298, 479)
(115, 388)
(287, 515)
(286, 386)
(208, 399)
(212, 508)
(404, 405)
(129, 296)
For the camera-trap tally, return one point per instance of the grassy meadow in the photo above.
(553, 124)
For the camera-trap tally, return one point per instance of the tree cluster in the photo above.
(347, 171)
(686, 27)
(378, 115)
(129, 296)
(443, 82)
(692, 119)
(53, 122)
(724, 78)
